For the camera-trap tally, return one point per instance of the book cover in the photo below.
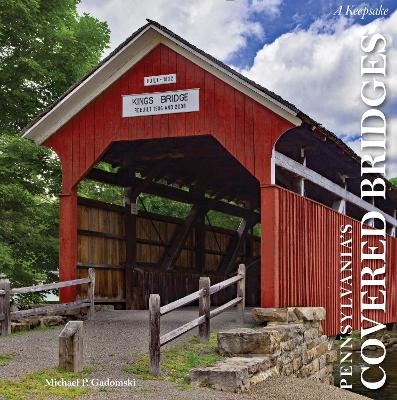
(150, 149)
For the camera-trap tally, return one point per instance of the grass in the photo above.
(36, 329)
(35, 387)
(5, 359)
(355, 336)
(176, 362)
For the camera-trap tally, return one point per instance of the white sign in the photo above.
(159, 79)
(136, 105)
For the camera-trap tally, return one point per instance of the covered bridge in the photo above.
(174, 122)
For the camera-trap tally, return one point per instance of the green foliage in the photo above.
(34, 386)
(5, 359)
(177, 361)
(101, 191)
(45, 46)
(393, 181)
(158, 205)
(29, 177)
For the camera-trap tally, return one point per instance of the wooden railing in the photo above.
(6, 316)
(202, 321)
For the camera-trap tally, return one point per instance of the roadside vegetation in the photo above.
(34, 386)
(176, 362)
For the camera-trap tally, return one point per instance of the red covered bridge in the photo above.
(174, 122)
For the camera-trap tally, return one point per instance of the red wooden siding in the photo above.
(244, 127)
(304, 241)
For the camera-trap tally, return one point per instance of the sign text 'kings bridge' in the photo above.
(136, 105)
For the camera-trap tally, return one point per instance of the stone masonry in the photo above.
(291, 344)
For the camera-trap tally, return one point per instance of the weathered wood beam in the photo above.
(171, 253)
(291, 165)
(71, 347)
(235, 245)
(171, 193)
(130, 245)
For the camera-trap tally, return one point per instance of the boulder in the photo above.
(310, 313)
(270, 314)
(52, 320)
(248, 341)
(235, 374)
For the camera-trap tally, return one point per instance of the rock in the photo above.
(19, 326)
(292, 317)
(52, 320)
(332, 356)
(270, 314)
(248, 341)
(371, 348)
(234, 374)
(310, 313)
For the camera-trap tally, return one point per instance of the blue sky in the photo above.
(299, 49)
(294, 15)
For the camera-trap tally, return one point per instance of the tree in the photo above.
(45, 47)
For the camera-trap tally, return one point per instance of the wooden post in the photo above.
(130, 244)
(91, 292)
(241, 293)
(204, 309)
(71, 347)
(5, 307)
(154, 328)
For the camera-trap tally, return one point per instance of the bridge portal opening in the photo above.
(168, 211)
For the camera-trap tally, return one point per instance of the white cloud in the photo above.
(219, 27)
(318, 70)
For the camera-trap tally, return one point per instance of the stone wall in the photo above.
(291, 344)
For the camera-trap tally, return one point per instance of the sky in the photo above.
(307, 51)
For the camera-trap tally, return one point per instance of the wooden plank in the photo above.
(204, 308)
(241, 294)
(99, 266)
(224, 307)
(5, 307)
(115, 300)
(154, 331)
(181, 302)
(50, 286)
(224, 284)
(50, 309)
(168, 337)
(91, 292)
(291, 165)
(84, 201)
(172, 193)
(100, 234)
(171, 254)
(234, 246)
(130, 244)
(71, 347)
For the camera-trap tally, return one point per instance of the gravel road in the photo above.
(114, 339)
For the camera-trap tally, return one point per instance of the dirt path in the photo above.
(114, 339)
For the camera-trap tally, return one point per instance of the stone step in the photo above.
(234, 374)
(264, 340)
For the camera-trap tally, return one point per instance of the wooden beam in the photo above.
(171, 253)
(291, 165)
(130, 245)
(234, 246)
(71, 347)
(171, 193)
